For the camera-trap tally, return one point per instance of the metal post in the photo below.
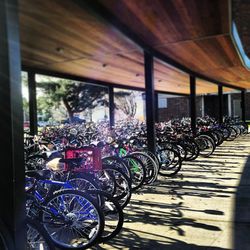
(229, 104)
(150, 102)
(156, 107)
(202, 106)
(111, 107)
(32, 103)
(12, 208)
(220, 96)
(243, 105)
(193, 103)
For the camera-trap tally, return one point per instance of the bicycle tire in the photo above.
(41, 236)
(165, 168)
(149, 163)
(114, 209)
(134, 164)
(123, 185)
(96, 213)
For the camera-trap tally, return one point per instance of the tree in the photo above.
(81, 97)
(25, 98)
(75, 96)
(25, 109)
(125, 101)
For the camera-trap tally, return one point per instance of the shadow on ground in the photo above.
(242, 211)
(132, 240)
(203, 179)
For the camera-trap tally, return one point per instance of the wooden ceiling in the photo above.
(62, 36)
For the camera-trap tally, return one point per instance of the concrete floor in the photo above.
(206, 206)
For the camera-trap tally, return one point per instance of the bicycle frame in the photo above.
(53, 210)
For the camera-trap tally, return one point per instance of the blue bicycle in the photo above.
(70, 217)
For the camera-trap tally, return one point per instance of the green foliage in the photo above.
(75, 96)
(25, 101)
(25, 109)
(24, 77)
(44, 107)
(83, 96)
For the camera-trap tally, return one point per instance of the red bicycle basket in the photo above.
(91, 155)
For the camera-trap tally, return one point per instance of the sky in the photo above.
(25, 92)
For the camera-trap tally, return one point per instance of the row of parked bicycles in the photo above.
(80, 177)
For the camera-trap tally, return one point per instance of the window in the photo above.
(162, 102)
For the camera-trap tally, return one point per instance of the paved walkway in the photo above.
(207, 206)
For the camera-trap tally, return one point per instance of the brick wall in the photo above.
(177, 107)
(211, 104)
(198, 106)
(247, 104)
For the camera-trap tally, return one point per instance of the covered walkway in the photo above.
(178, 47)
(205, 207)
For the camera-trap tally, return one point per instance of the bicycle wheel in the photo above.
(232, 135)
(238, 131)
(113, 214)
(243, 128)
(121, 182)
(137, 169)
(219, 136)
(170, 162)
(117, 162)
(37, 237)
(153, 155)
(191, 148)
(150, 165)
(83, 182)
(225, 132)
(205, 144)
(72, 219)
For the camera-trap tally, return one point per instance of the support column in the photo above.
(202, 106)
(220, 97)
(32, 103)
(229, 104)
(192, 103)
(12, 208)
(243, 105)
(156, 107)
(150, 102)
(111, 107)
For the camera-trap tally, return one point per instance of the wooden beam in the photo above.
(98, 9)
(78, 78)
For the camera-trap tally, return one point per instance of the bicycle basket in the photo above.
(91, 155)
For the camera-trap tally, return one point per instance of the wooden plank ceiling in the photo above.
(61, 36)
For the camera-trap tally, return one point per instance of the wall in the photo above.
(211, 104)
(247, 103)
(177, 107)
